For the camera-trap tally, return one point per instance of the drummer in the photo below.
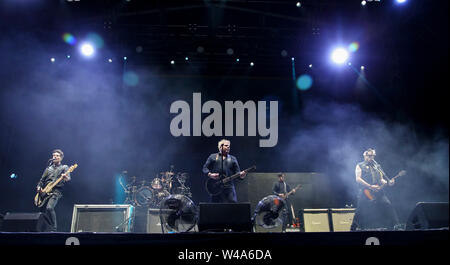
(166, 181)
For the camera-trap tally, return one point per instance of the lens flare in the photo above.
(130, 78)
(304, 82)
(69, 38)
(95, 39)
(353, 47)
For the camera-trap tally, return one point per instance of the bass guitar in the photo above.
(370, 194)
(215, 186)
(43, 195)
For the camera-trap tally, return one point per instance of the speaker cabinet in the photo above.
(101, 218)
(316, 220)
(341, 219)
(25, 222)
(153, 221)
(428, 215)
(223, 216)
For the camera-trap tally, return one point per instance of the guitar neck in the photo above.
(230, 178)
(56, 182)
(289, 193)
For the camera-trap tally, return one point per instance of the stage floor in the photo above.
(223, 239)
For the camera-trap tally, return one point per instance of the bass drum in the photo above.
(144, 196)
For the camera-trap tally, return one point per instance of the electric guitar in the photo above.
(43, 195)
(370, 193)
(215, 186)
(285, 196)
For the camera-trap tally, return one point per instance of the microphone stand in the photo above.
(124, 222)
(221, 157)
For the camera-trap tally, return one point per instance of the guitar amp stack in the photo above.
(326, 220)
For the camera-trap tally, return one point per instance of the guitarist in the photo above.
(370, 176)
(281, 188)
(51, 173)
(220, 165)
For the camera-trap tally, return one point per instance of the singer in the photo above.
(220, 165)
(377, 212)
(53, 171)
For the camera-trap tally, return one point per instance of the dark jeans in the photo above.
(228, 195)
(378, 213)
(49, 210)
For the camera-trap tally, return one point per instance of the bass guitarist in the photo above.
(51, 173)
(220, 165)
(373, 206)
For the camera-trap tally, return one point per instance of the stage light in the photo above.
(310, 66)
(52, 60)
(400, 1)
(299, 4)
(110, 60)
(252, 64)
(172, 62)
(87, 49)
(68, 56)
(13, 176)
(186, 58)
(349, 63)
(362, 67)
(339, 55)
(363, 3)
(125, 58)
(237, 60)
(292, 59)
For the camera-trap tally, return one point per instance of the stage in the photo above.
(250, 240)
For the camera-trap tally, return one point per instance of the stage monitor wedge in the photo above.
(25, 222)
(428, 215)
(216, 217)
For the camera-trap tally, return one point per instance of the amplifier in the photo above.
(316, 220)
(153, 221)
(342, 218)
(101, 218)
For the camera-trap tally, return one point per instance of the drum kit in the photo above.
(150, 193)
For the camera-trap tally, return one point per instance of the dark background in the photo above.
(111, 117)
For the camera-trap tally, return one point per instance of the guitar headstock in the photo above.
(72, 168)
